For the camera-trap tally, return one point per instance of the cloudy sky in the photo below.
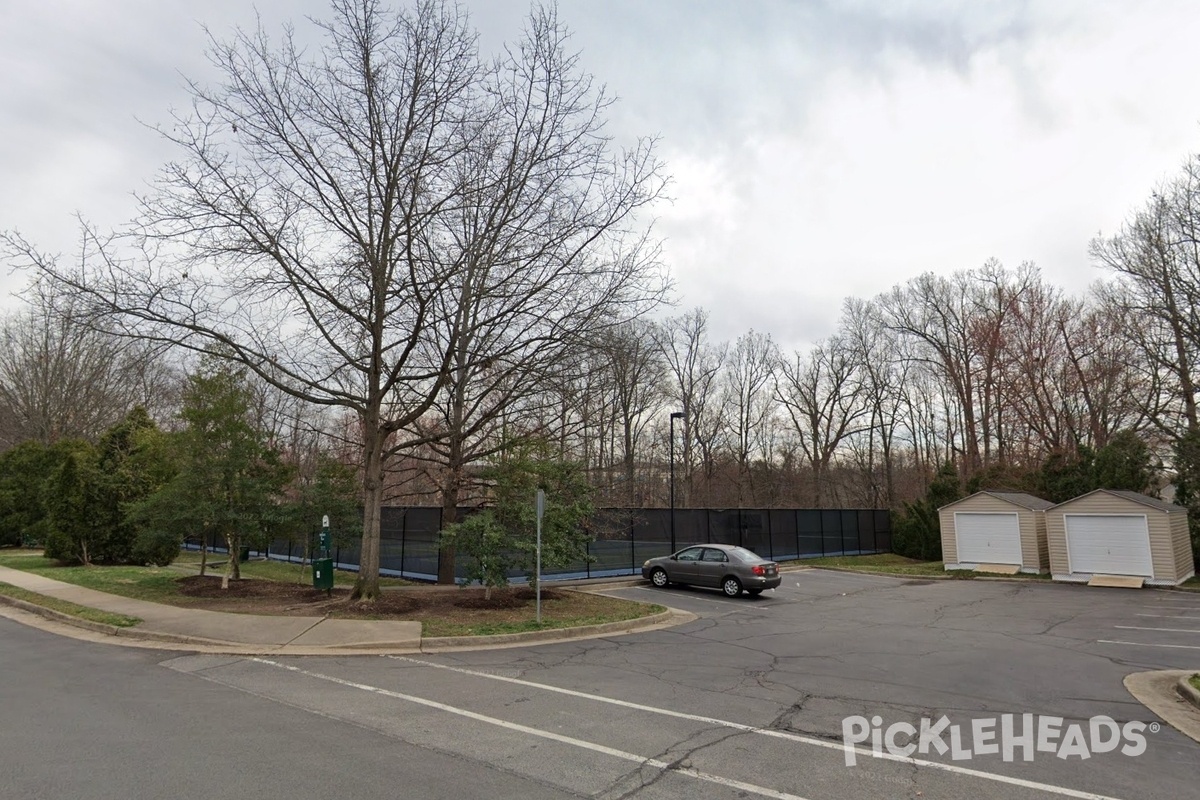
(819, 150)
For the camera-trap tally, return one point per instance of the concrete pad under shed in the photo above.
(1117, 581)
(999, 569)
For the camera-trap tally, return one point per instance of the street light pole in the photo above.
(674, 416)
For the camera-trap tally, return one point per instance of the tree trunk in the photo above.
(451, 488)
(366, 587)
(450, 498)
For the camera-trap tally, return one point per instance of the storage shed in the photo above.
(1115, 532)
(995, 528)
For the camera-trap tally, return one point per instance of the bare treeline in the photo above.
(992, 370)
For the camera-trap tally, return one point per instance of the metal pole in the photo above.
(674, 416)
(541, 508)
(672, 492)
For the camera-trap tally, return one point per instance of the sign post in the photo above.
(322, 564)
(541, 510)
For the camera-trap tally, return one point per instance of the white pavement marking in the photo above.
(1165, 616)
(597, 748)
(1044, 787)
(1140, 628)
(1144, 644)
(1173, 608)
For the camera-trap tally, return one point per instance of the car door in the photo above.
(682, 568)
(712, 567)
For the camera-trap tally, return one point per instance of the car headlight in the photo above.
(646, 563)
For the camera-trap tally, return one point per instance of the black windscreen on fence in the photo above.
(622, 538)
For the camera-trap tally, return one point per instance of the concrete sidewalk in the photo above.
(196, 626)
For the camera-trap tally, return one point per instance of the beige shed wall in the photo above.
(1166, 544)
(1032, 524)
(1184, 565)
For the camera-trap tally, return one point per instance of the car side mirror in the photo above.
(674, 557)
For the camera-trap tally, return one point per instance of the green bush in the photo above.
(155, 548)
(61, 547)
(916, 532)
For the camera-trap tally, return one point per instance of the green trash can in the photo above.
(322, 573)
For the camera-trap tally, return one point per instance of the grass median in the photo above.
(279, 588)
(70, 609)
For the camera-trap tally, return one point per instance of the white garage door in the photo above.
(987, 538)
(1108, 544)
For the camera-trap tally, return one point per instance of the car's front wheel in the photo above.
(659, 578)
(732, 587)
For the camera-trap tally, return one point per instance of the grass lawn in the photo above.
(156, 584)
(880, 562)
(1195, 680)
(70, 609)
(283, 571)
(900, 565)
(570, 610)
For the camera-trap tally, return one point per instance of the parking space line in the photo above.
(1144, 644)
(555, 737)
(1062, 791)
(1174, 608)
(1165, 616)
(1139, 628)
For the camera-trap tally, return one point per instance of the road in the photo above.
(747, 701)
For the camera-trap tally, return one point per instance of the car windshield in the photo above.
(742, 554)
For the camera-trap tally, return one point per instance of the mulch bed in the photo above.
(275, 597)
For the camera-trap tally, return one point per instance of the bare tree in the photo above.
(1156, 260)
(61, 378)
(695, 368)
(885, 375)
(311, 231)
(549, 249)
(748, 403)
(822, 393)
(637, 372)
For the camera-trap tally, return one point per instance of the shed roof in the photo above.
(1016, 498)
(1136, 497)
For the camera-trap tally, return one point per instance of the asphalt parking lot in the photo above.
(752, 698)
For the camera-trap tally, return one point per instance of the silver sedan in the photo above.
(726, 567)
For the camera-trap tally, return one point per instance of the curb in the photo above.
(1189, 692)
(670, 616)
(110, 630)
(1160, 691)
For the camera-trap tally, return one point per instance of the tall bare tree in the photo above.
(1156, 261)
(637, 372)
(822, 393)
(549, 249)
(311, 229)
(61, 378)
(748, 403)
(695, 368)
